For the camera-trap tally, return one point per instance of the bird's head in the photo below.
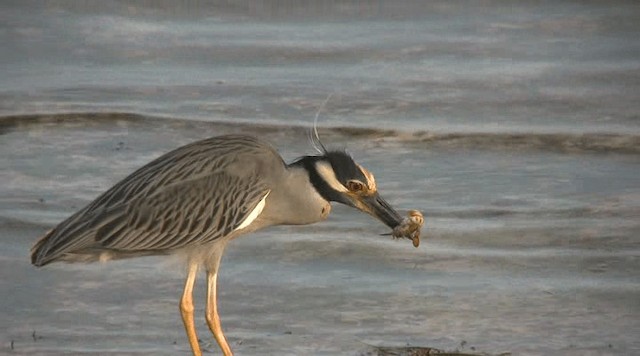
(337, 177)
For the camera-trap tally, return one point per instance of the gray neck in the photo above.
(298, 202)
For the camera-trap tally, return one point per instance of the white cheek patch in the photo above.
(254, 214)
(328, 175)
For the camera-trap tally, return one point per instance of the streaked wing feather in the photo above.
(184, 163)
(191, 212)
(144, 200)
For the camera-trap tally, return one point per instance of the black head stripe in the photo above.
(309, 164)
(344, 167)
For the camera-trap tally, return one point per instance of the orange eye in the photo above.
(355, 186)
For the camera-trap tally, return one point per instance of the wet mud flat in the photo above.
(526, 253)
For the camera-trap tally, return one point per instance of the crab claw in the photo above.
(410, 227)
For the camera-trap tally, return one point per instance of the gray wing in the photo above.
(191, 161)
(193, 212)
(205, 188)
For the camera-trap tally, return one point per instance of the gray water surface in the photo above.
(512, 126)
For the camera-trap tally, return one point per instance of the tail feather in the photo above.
(67, 238)
(36, 250)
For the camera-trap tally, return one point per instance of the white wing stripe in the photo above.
(254, 214)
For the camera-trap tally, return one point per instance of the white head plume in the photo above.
(313, 133)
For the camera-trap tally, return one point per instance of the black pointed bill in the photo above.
(377, 207)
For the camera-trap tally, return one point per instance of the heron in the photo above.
(195, 199)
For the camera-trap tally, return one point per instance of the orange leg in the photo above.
(213, 319)
(186, 309)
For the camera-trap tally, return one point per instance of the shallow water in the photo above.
(541, 256)
(557, 66)
(514, 129)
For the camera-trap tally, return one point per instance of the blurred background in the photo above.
(513, 126)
